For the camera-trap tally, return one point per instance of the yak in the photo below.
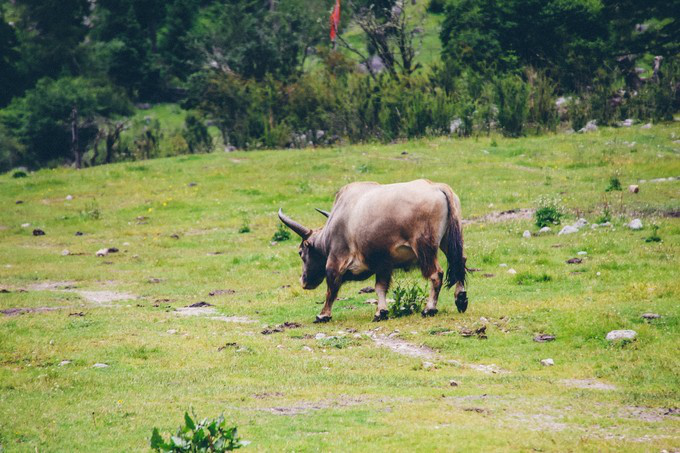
(374, 229)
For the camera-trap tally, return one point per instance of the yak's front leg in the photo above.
(435, 287)
(333, 281)
(382, 284)
(461, 298)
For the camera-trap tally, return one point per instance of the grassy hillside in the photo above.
(176, 224)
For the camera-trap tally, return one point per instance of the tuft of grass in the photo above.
(91, 211)
(654, 237)
(549, 212)
(527, 278)
(281, 234)
(614, 185)
(408, 299)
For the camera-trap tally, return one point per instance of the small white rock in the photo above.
(547, 362)
(580, 223)
(526, 234)
(320, 336)
(635, 224)
(582, 252)
(69, 197)
(65, 252)
(568, 230)
(64, 362)
(279, 346)
(621, 335)
(512, 271)
(102, 252)
(633, 188)
(545, 229)
(502, 265)
(100, 365)
(598, 274)
(428, 365)
(172, 331)
(307, 348)
(646, 126)
(25, 225)
(483, 319)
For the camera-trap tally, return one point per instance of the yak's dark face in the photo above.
(313, 265)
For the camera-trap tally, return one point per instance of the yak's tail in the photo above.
(453, 241)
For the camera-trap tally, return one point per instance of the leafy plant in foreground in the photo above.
(408, 299)
(654, 237)
(208, 435)
(549, 212)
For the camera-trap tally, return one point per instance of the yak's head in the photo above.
(313, 258)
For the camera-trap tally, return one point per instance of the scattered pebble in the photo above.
(307, 348)
(633, 188)
(453, 383)
(102, 252)
(25, 225)
(100, 365)
(650, 316)
(598, 274)
(574, 261)
(320, 336)
(279, 346)
(544, 338)
(621, 335)
(192, 184)
(547, 362)
(646, 126)
(526, 234)
(367, 290)
(172, 331)
(635, 224)
(38, 232)
(64, 362)
(545, 229)
(589, 127)
(502, 265)
(428, 365)
(65, 252)
(582, 252)
(69, 197)
(512, 271)
(79, 233)
(568, 230)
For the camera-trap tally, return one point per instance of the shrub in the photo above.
(208, 435)
(513, 102)
(196, 135)
(281, 234)
(408, 299)
(549, 212)
(654, 237)
(578, 111)
(436, 6)
(614, 185)
(542, 110)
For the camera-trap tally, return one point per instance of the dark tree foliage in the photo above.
(9, 56)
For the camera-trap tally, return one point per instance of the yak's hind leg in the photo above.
(382, 284)
(431, 270)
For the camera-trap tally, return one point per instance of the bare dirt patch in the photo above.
(103, 298)
(211, 312)
(502, 216)
(402, 347)
(303, 407)
(21, 311)
(588, 384)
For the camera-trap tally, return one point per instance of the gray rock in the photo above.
(102, 252)
(615, 335)
(526, 234)
(428, 365)
(650, 316)
(320, 336)
(64, 362)
(635, 224)
(547, 362)
(569, 229)
(580, 223)
(633, 188)
(65, 252)
(100, 365)
(453, 383)
(589, 127)
(512, 271)
(582, 252)
(626, 123)
(69, 197)
(646, 126)
(544, 230)
(307, 348)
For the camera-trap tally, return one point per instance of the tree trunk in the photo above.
(75, 147)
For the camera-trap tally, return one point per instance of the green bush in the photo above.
(513, 105)
(579, 112)
(208, 435)
(542, 109)
(281, 234)
(408, 299)
(196, 135)
(654, 237)
(436, 6)
(614, 185)
(548, 212)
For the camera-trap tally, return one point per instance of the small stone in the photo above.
(582, 252)
(100, 365)
(25, 225)
(589, 127)
(279, 346)
(64, 362)
(633, 188)
(574, 261)
(367, 290)
(526, 234)
(646, 126)
(483, 319)
(65, 252)
(650, 316)
(598, 274)
(273, 243)
(69, 197)
(615, 335)
(18, 202)
(453, 383)
(544, 338)
(568, 230)
(372, 301)
(102, 252)
(79, 233)
(428, 365)
(580, 223)
(192, 184)
(172, 331)
(547, 362)
(502, 265)
(38, 232)
(635, 224)
(320, 336)
(512, 271)
(307, 348)
(545, 229)
(627, 122)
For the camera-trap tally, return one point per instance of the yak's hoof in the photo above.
(462, 302)
(430, 312)
(321, 319)
(382, 316)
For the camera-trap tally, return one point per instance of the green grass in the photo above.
(346, 394)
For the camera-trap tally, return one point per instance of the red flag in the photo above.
(335, 20)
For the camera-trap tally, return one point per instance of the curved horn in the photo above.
(322, 212)
(301, 230)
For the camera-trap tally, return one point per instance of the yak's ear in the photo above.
(322, 212)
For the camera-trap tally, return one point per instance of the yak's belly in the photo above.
(403, 256)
